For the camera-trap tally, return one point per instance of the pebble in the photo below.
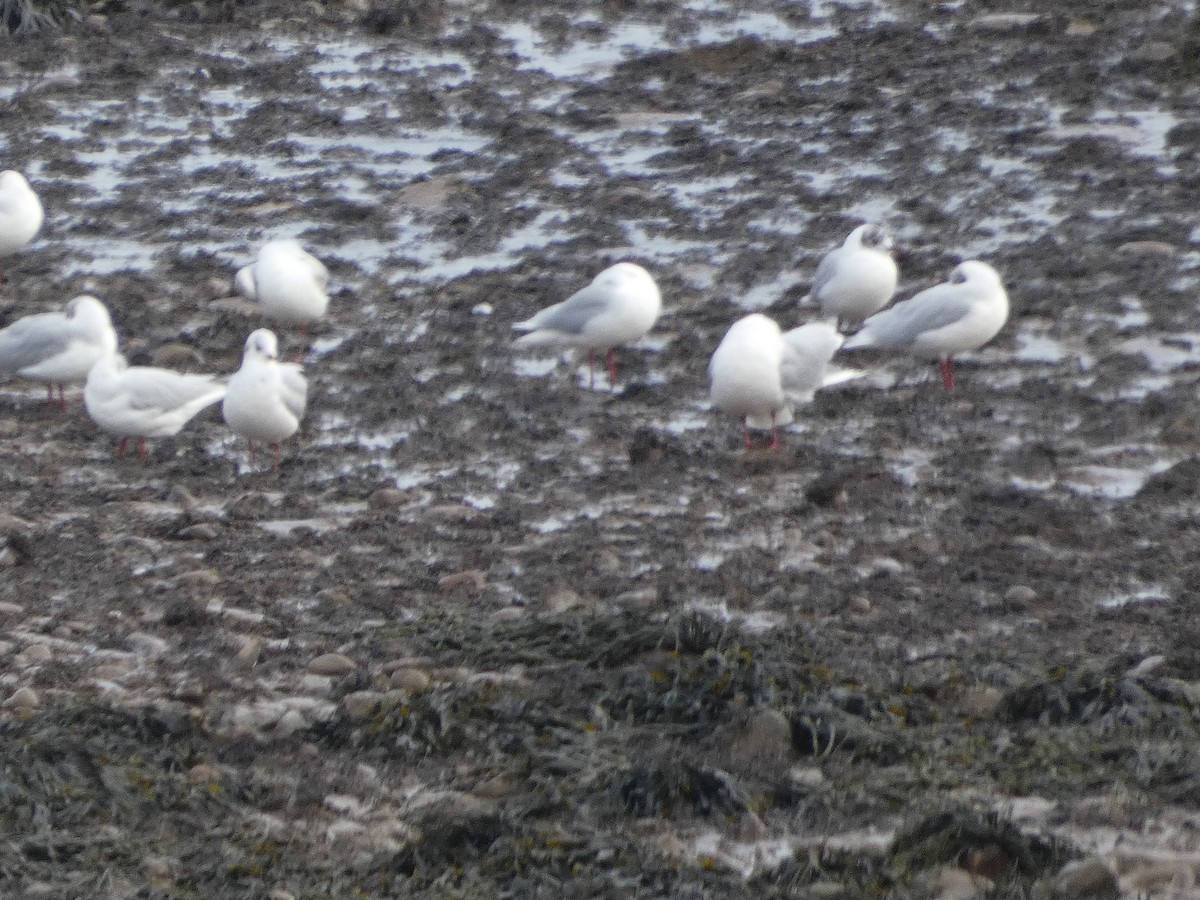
(148, 644)
(332, 664)
(1087, 879)
(470, 577)
(766, 738)
(1005, 21)
(176, 355)
(290, 722)
(361, 705)
(1154, 52)
(1020, 596)
(859, 605)
(316, 684)
(1081, 28)
(205, 531)
(1147, 248)
(952, 883)
(481, 309)
(248, 656)
(408, 680)
(203, 773)
(23, 698)
(388, 498)
(35, 654)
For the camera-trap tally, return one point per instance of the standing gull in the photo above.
(758, 372)
(58, 347)
(858, 278)
(265, 398)
(288, 282)
(20, 214)
(963, 313)
(620, 305)
(145, 402)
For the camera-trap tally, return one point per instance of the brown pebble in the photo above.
(35, 654)
(408, 680)
(388, 498)
(332, 664)
(1087, 879)
(248, 656)
(203, 773)
(1147, 248)
(472, 577)
(22, 698)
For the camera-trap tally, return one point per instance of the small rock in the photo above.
(766, 738)
(859, 605)
(290, 722)
(159, 868)
(481, 309)
(35, 654)
(247, 657)
(952, 883)
(388, 498)
(316, 684)
(1081, 28)
(1020, 596)
(562, 600)
(1154, 52)
(1087, 879)
(332, 664)
(203, 773)
(999, 22)
(472, 578)
(205, 531)
(360, 705)
(23, 698)
(148, 644)
(408, 680)
(1147, 248)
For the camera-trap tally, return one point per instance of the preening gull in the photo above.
(758, 372)
(288, 282)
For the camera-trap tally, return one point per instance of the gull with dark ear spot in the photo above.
(145, 401)
(758, 372)
(58, 348)
(858, 278)
(20, 214)
(620, 306)
(265, 399)
(288, 283)
(961, 314)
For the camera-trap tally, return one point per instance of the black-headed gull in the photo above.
(265, 399)
(58, 347)
(289, 283)
(20, 214)
(620, 306)
(144, 401)
(758, 372)
(858, 278)
(961, 314)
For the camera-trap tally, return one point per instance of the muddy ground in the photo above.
(490, 633)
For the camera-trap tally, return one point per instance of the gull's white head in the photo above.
(262, 344)
(974, 272)
(872, 237)
(89, 310)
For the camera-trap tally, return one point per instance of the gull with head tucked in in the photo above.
(958, 315)
(289, 283)
(58, 347)
(265, 399)
(620, 306)
(858, 278)
(758, 372)
(145, 401)
(20, 214)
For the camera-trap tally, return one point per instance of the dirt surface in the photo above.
(491, 633)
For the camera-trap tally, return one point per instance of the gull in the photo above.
(620, 305)
(858, 278)
(961, 314)
(265, 398)
(58, 347)
(758, 372)
(20, 214)
(144, 401)
(288, 282)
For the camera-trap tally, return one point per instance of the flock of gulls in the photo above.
(758, 372)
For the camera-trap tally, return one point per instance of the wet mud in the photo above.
(490, 632)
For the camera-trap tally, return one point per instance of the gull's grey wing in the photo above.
(826, 270)
(573, 314)
(32, 340)
(166, 390)
(294, 392)
(928, 311)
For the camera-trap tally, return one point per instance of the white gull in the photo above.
(20, 214)
(58, 347)
(265, 399)
(858, 278)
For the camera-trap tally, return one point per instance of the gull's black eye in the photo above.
(958, 276)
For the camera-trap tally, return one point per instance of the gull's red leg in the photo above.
(611, 358)
(947, 374)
